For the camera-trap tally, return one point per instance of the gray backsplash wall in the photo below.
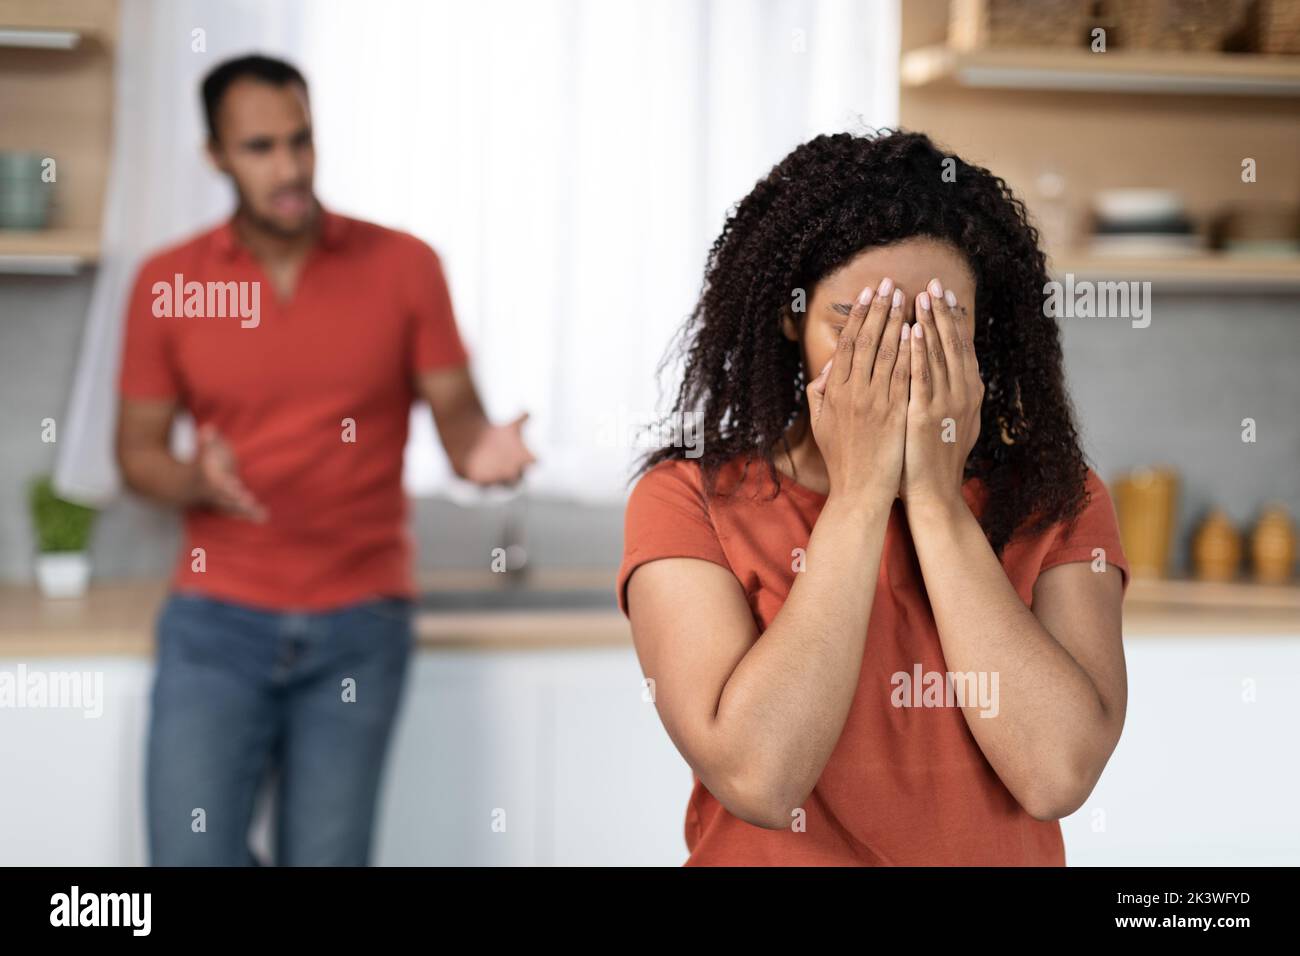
(40, 331)
(1176, 392)
(1173, 393)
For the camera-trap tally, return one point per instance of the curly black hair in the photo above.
(827, 201)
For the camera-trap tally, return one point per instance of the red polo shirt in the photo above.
(313, 394)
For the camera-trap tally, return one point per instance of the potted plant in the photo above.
(62, 533)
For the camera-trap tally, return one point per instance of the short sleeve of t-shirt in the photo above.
(1095, 528)
(435, 339)
(667, 517)
(148, 369)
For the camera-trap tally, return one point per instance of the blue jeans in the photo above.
(241, 691)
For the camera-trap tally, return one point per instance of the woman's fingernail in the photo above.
(950, 298)
(898, 298)
(904, 335)
(935, 288)
(923, 300)
(885, 285)
(827, 367)
(865, 295)
(918, 331)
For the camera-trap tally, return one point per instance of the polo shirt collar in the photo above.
(333, 232)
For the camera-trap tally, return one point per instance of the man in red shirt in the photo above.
(297, 339)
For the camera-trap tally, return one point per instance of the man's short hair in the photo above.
(264, 69)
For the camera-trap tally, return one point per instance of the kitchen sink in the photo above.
(522, 599)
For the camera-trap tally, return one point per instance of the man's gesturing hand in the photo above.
(216, 477)
(499, 454)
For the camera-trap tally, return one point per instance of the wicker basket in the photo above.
(975, 24)
(1277, 26)
(1200, 25)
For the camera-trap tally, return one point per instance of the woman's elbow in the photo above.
(760, 801)
(1047, 810)
(1059, 797)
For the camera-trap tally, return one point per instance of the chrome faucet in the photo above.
(514, 539)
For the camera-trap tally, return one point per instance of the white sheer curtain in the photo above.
(161, 189)
(571, 161)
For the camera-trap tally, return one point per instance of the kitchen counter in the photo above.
(117, 617)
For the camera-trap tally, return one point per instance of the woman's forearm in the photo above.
(1047, 710)
(783, 708)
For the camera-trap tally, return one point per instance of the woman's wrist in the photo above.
(859, 508)
(932, 508)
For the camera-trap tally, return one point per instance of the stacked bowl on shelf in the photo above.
(24, 193)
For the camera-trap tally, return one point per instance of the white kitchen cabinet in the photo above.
(1202, 775)
(71, 786)
(559, 739)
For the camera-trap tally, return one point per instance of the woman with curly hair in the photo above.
(881, 610)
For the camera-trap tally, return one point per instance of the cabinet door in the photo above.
(73, 777)
(462, 787)
(561, 741)
(1206, 772)
(620, 785)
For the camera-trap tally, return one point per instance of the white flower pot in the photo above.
(63, 574)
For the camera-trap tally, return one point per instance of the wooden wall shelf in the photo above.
(48, 252)
(40, 39)
(1089, 122)
(56, 97)
(1198, 273)
(1118, 71)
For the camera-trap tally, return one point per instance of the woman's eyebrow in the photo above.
(843, 308)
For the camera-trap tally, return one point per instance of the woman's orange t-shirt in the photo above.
(904, 785)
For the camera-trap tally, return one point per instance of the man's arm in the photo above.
(478, 450)
(149, 468)
(144, 454)
(457, 411)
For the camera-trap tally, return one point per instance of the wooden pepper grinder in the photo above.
(1216, 548)
(1273, 546)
